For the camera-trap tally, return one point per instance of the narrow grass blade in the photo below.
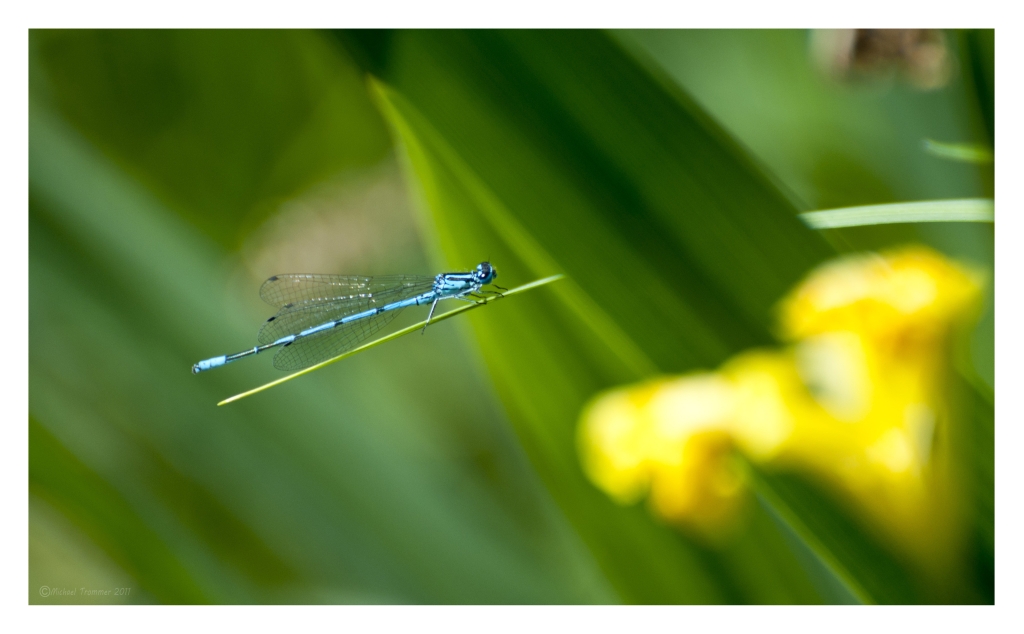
(782, 510)
(963, 152)
(960, 210)
(394, 335)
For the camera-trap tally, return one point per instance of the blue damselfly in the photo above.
(322, 316)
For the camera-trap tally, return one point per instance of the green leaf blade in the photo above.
(962, 210)
(962, 152)
(675, 245)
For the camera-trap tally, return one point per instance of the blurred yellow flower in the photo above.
(904, 301)
(668, 439)
(856, 402)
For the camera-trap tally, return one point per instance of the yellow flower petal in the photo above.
(913, 293)
(855, 403)
(669, 438)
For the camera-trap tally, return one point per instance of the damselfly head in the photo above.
(485, 273)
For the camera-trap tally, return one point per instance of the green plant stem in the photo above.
(960, 210)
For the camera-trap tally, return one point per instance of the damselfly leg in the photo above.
(429, 316)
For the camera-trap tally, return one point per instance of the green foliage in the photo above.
(970, 210)
(655, 258)
(222, 125)
(409, 473)
(966, 152)
(668, 273)
(365, 482)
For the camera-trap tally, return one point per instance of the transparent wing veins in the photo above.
(304, 288)
(330, 343)
(294, 317)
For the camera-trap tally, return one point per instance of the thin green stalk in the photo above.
(963, 152)
(961, 210)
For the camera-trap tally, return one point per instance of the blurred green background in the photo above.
(172, 171)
